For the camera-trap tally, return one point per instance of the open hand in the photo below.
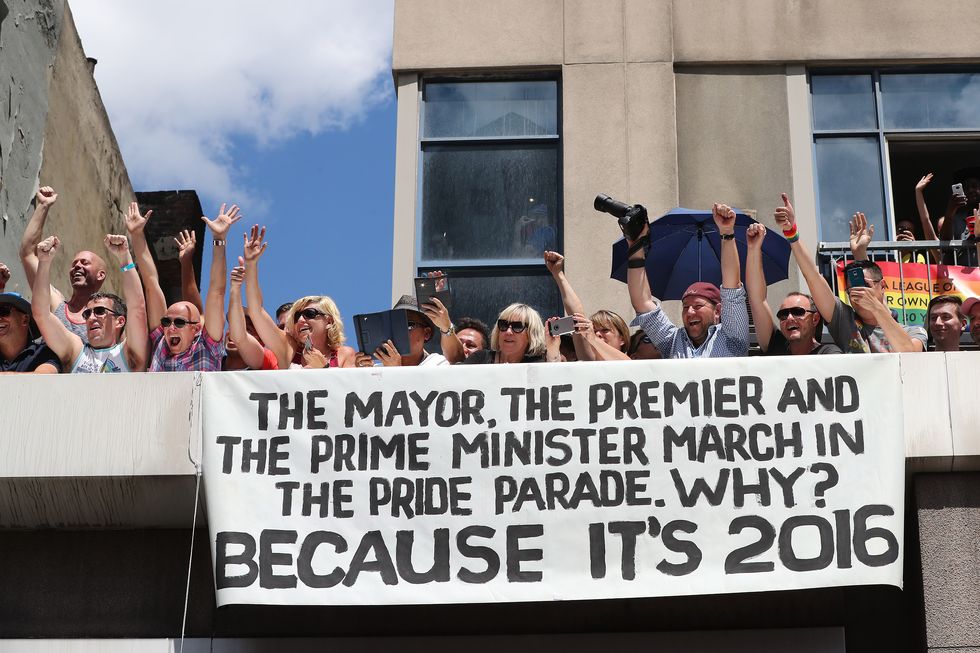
(186, 242)
(922, 183)
(861, 232)
(220, 225)
(134, 221)
(255, 244)
(436, 311)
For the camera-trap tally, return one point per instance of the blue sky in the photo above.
(292, 119)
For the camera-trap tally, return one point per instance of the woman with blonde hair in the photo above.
(518, 336)
(313, 333)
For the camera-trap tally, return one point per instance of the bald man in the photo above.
(182, 339)
(87, 273)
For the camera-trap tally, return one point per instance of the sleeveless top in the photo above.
(92, 360)
(80, 330)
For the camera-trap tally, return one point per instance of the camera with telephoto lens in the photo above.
(631, 218)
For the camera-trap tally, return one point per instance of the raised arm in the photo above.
(636, 276)
(452, 348)
(822, 294)
(928, 231)
(269, 332)
(249, 348)
(898, 339)
(187, 242)
(756, 287)
(861, 235)
(214, 304)
(56, 335)
(555, 263)
(731, 273)
(137, 336)
(156, 302)
(33, 233)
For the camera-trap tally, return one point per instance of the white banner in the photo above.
(541, 482)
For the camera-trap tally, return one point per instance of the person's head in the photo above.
(519, 331)
(15, 321)
(473, 334)
(611, 329)
(799, 319)
(87, 272)
(971, 310)
(420, 327)
(907, 226)
(700, 308)
(181, 325)
(567, 348)
(316, 317)
(105, 319)
(970, 178)
(282, 313)
(946, 321)
(642, 348)
(873, 277)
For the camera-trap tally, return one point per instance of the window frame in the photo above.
(489, 267)
(882, 134)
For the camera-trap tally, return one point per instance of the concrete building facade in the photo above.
(667, 103)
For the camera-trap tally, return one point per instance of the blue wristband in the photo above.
(128, 267)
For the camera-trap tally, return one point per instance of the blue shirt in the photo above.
(728, 339)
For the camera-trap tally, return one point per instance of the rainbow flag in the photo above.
(910, 286)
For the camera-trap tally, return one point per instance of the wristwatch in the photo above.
(451, 330)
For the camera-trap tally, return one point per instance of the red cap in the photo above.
(968, 305)
(705, 290)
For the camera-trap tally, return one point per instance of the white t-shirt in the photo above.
(433, 359)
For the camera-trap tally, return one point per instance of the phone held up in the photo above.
(562, 326)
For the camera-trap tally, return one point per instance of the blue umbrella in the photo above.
(685, 247)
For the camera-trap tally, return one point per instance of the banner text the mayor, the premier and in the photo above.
(540, 482)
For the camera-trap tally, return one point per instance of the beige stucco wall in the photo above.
(81, 161)
(54, 131)
(659, 106)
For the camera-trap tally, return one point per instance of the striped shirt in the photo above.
(728, 339)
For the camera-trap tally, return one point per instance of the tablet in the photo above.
(373, 329)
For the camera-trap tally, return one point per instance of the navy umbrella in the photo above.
(685, 247)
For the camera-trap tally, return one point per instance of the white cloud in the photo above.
(180, 79)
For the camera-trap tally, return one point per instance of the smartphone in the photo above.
(855, 277)
(562, 326)
(958, 190)
(428, 287)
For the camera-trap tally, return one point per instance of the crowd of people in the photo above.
(89, 330)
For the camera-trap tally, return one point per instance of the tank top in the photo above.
(92, 360)
(80, 330)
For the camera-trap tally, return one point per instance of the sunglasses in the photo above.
(796, 311)
(416, 325)
(99, 311)
(310, 314)
(5, 310)
(516, 327)
(178, 322)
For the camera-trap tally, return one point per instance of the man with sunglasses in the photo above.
(716, 322)
(798, 319)
(183, 340)
(19, 350)
(867, 325)
(117, 338)
(86, 275)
